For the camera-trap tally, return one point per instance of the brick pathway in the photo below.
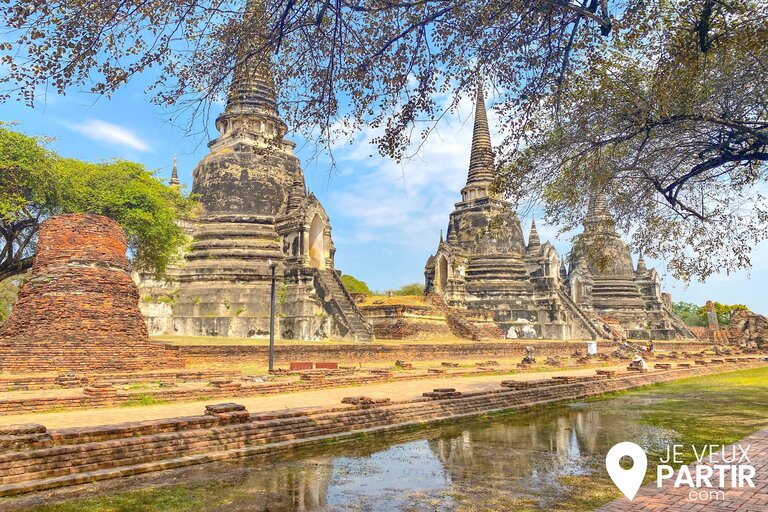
(324, 397)
(671, 499)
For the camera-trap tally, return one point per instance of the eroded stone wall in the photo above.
(79, 308)
(371, 352)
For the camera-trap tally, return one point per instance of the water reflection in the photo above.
(503, 462)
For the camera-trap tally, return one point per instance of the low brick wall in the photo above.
(26, 382)
(366, 352)
(32, 459)
(236, 389)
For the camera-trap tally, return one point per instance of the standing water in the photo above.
(513, 461)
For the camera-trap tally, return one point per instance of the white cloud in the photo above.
(389, 215)
(110, 133)
(405, 205)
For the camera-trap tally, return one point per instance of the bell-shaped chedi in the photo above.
(602, 280)
(78, 310)
(256, 215)
(484, 266)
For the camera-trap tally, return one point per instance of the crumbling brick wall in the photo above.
(748, 328)
(78, 311)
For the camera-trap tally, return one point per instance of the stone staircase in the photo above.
(682, 330)
(359, 328)
(457, 323)
(590, 324)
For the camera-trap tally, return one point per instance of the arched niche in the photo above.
(577, 291)
(441, 269)
(317, 243)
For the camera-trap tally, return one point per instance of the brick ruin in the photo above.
(34, 458)
(748, 329)
(78, 310)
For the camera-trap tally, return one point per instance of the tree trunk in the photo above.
(15, 268)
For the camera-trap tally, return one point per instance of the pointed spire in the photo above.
(598, 217)
(534, 243)
(441, 236)
(481, 159)
(451, 234)
(253, 85)
(298, 191)
(641, 267)
(252, 90)
(563, 271)
(174, 181)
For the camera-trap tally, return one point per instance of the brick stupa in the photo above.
(78, 311)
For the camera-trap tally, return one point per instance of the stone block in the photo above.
(214, 409)
(23, 429)
(442, 393)
(365, 401)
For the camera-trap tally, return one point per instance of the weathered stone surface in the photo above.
(626, 302)
(223, 408)
(485, 270)
(748, 329)
(78, 311)
(402, 352)
(256, 214)
(23, 429)
(442, 393)
(79, 455)
(365, 401)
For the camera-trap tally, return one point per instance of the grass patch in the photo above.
(167, 499)
(143, 401)
(140, 386)
(713, 409)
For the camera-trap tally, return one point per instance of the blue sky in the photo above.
(386, 217)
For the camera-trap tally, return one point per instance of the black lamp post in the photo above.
(272, 267)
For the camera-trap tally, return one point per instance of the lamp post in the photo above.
(272, 267)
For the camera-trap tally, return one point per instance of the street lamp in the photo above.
(272, 267)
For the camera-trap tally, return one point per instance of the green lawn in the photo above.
(715, 409)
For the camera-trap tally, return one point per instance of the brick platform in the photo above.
(36, 458)
(373, 352)
(78, 311)
(234, 387)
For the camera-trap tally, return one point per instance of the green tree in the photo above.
(9, 293)
(668, 119)
(354, 285)
(660, 105)
(689, 313)
(724, 313)
(410, 289)
(37, 183)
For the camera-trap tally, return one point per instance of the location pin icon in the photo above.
(627, 480)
